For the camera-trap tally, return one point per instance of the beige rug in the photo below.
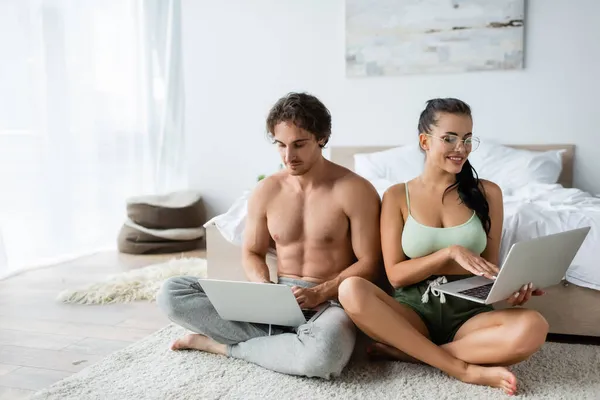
(140, 284)
(148, 370)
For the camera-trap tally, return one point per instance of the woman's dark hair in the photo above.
(470, 190)
(303, 110)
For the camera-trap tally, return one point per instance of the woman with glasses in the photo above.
(444, 225)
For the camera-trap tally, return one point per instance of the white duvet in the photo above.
(542, 209)
(529, 212)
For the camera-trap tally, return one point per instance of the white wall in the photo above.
(241, 56)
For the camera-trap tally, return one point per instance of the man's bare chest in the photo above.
(315, 218)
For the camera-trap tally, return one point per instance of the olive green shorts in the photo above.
(442, 320)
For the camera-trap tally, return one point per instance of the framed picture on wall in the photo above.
(399, 37)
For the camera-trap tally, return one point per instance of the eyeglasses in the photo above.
(451, 141)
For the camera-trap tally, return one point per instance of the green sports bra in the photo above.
(419, 240)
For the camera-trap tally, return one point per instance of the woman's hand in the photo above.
(472, 262)
(523, 295)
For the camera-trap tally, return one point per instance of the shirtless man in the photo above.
(324, 222)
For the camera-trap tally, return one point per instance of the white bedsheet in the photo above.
(533, 211)
(541, 209)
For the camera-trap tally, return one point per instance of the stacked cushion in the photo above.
(168, 223)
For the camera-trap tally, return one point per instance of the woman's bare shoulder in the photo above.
(490, 188)
(395, 193)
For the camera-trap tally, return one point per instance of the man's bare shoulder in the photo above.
(265, 189)
(270, 183)
(349, 184)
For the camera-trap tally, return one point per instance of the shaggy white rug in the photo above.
(148, 370)
(134, 285)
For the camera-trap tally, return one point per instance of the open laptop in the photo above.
(263, 303)
(543, 261)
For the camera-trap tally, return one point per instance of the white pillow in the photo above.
(508, 167)
(398, 164)
(515, 168)
(381, 185)
(232, 223)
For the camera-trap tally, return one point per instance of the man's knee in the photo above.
(166, 298)
(321, 366)
(331, 347)
(326, 362)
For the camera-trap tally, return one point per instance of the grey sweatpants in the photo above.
(317, 349)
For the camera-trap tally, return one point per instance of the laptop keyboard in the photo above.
(479, 292)
(309, 313)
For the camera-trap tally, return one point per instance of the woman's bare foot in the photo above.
(498, 377)
(380, 351)
(196, 341)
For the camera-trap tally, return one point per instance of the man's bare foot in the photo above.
(380, 351)
(196, 341)
(498, 377)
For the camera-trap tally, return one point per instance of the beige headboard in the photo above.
(344, 155)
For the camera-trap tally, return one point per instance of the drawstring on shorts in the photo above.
(431, 288)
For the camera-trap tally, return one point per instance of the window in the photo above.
(20, 68)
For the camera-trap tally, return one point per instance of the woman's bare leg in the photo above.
(376, 314)
(501, 337)
(383, 352)
(380, 350)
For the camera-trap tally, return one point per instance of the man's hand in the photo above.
(307, 297)
(523, 295)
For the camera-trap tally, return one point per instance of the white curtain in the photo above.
(91, 112)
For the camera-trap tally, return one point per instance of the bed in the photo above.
(571, 308)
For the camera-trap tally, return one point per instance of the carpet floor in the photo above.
(149, 370)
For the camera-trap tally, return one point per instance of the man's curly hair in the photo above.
(303, 110)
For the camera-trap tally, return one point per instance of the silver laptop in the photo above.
(262, 303)
(543, 261)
